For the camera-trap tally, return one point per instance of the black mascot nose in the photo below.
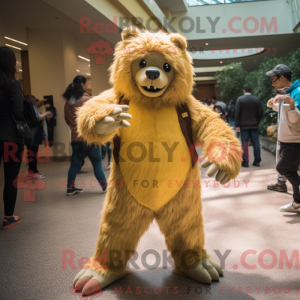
(152, 74)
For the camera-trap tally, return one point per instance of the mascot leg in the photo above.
(181, 222)
(123, 222)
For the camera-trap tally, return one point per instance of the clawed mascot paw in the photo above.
(213, 169)
(114, 120)
(90, 281)
(204, 271)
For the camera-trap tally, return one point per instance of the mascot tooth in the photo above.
(154, 123)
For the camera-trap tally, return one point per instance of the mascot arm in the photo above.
(101, 118)
(221, 148)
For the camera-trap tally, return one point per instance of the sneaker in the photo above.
(282, 188)
(11, 222)
(108, 167)
(245, 164)
(255, 164)
(103, 192)
(31, 174)
(291, 207)
(43, 175)
(73, 190)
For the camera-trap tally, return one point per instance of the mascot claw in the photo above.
(213, 169)
(114, 120)
(204, 271)
(90, 281)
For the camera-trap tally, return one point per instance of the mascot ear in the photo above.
(130, 32)
(178, 40)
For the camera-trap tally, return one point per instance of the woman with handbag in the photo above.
(11, 143)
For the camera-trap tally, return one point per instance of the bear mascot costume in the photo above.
(154, 123)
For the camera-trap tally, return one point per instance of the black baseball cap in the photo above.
(279, 70)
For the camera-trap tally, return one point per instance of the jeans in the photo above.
(79, 152)
(253, 135)
(12, 164)
(231, 123)
(288, 166)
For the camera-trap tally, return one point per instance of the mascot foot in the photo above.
(205, 271)
(90, 281)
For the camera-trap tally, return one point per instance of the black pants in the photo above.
(11, 154)
(33, 164)
(288, 165)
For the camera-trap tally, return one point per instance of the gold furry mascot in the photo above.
(155, 124)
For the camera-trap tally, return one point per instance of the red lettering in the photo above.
(264, 22)
(243, 259)
(84, 25)
(62, 184)
(230, 24)
(289, 262)
(245, 24)
(82, 261)
(27, 153)
(8, 153)
(261, 257)
(98, 27)
(66, 260)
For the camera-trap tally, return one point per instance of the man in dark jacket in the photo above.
(248, 113)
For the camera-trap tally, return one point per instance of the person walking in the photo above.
(37, 136)
(231, 113)
(75, 96)
(11, 106)
(288, 108)
(248, 113)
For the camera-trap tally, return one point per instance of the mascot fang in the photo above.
(154, 123)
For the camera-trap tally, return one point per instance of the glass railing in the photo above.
(210, 2)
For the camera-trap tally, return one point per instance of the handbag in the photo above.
(22, 127)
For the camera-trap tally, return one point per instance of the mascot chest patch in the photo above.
(154, 156)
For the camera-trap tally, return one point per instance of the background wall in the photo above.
(52, 62)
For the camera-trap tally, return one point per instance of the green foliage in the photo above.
(260, 82)
(231, 80)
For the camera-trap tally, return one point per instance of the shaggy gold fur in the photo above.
(129, 210)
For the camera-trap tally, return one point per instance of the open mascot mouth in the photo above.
(152, 89)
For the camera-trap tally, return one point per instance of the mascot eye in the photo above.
(167, 67)
(143, 63)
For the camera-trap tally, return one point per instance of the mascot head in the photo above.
(154, 69)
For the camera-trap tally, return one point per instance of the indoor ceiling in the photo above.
(36, 14)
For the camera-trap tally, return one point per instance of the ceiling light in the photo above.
(88, 74)
(13, 46)
(84, 58)
(221, 62)
(77, 70)
(15, 41)
(206, 44)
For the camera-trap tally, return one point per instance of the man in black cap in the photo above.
(288, 144)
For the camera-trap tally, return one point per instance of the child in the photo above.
(218, 110)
